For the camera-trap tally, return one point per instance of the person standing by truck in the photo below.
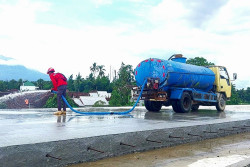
(59, 82)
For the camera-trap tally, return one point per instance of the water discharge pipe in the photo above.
(106, 113)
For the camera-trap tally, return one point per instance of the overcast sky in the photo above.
(70, 35)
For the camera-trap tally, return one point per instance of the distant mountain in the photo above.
(16, 72)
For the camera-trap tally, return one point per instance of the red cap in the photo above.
(50, 70)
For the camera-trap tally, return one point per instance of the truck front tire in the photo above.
(154, 106)
(221, 104)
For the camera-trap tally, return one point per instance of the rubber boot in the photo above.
(58, 113)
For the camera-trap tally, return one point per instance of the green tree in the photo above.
(70, 85)
(126, 74)
(13, 84)
(47, 85)
(88, 85)
(121, 93)
(101, 70)
(20, 82)
(234, 97)
(199, 61)
(82, 86)
(102, 83)
(115, 98)
(40, 83)
(3, 86)
(247, 95)
(93, 69)
(77, 82)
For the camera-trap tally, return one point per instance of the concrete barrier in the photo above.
(65, 152)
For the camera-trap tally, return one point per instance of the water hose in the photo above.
(105, 113)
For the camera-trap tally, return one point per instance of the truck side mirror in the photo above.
(234, 76)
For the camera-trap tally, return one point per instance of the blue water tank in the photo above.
(175, 74)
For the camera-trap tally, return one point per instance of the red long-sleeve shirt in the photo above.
(57, 80)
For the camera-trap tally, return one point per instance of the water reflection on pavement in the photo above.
(166, 114)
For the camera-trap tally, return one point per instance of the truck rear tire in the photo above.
(154, 106)
(184, 104)
(221, 104)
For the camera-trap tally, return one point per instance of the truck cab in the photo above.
(222, 81)
(222, 86)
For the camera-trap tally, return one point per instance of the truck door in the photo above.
(224, 82)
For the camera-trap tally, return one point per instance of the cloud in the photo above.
(168, 12)
(199, 12)
(5, 58)
(232, 18)
(132, 32)
(20, 15)
(102, 2)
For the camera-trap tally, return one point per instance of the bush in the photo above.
(52, 102)
(99, 103)
(3, 106)
(115, 99)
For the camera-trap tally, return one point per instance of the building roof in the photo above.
(28, 84)
(89, 101)
(100, 94)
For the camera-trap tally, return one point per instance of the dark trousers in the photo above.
(61, 91)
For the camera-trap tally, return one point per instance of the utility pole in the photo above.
(110, 74)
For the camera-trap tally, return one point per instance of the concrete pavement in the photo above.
(35, 137)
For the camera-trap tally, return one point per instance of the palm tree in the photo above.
(93, 69)
(101, 70)
(77, 82)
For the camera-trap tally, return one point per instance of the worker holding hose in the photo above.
(59, 82)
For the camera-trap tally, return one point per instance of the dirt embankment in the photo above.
(36, 99)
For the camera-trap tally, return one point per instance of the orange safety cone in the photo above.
(26, 101)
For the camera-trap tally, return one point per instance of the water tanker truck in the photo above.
(184, 86)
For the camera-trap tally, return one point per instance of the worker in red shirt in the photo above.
(59, 82)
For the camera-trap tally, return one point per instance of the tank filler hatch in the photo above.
(178, 58)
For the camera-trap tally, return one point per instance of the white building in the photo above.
(28, 86)
(100, 94)
(92, 98)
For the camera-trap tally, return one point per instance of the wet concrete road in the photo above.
(40, 125)
(37, 129)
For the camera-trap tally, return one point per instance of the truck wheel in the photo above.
(221, 104)
(185, 103)
(154, 106)
(195, 107)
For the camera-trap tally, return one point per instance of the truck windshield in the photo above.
(223, 73)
